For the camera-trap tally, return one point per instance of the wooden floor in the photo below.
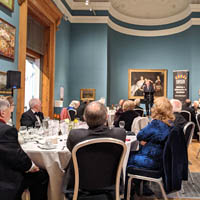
(195, 167)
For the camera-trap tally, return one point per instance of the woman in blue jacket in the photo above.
(152, 138)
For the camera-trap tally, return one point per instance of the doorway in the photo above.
(32, 80)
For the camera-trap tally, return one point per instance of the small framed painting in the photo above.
(87, 94)
(7, 39)
(8, 4)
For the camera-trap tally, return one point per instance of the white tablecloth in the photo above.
(54, 161)
(129, 142)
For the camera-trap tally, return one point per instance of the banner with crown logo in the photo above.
(181, 85)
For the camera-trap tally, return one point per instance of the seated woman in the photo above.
(128, 115)
(152, 138)
(71, 111)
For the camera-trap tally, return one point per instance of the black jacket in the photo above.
(128, 117)
(175, 160)
(14, 162)
(79, 135)
(148, 93)
(179, 120)
(28, 118)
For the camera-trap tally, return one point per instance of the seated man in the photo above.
(33, 115)
(95, 115)
(177, 107)
(187, 106)
(17, 171)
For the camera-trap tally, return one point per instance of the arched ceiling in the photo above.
(149, 9)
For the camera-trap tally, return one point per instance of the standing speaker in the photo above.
(13, 79)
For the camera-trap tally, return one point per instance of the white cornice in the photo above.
(195, 21)
(148, 33)
(195, 7)
(88, 19)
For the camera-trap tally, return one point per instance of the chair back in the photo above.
(186, 114)
(198, 121)
(188, 131)
(98, 164)
(139, 111)
(139, 123)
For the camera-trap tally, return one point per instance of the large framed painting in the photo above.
(8, 4)
(137, 78)
(87, 94)
(7, 39)
(3, 79)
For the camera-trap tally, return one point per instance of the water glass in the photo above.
(122, 124)
(22, 130)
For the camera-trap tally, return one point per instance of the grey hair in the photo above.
(176, 105)
(4, 104)
(95, 114)
(33, 102)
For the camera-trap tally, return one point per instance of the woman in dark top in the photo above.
(128, 115)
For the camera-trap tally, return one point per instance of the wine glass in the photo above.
(22, 130)
(122, 124)
(37, 124)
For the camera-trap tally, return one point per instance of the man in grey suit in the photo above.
(95, 115)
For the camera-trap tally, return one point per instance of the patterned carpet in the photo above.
(190, 191)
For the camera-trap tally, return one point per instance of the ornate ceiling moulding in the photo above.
(20, 2)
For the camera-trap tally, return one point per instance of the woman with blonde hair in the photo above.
(152, 138)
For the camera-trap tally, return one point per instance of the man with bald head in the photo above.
(33, 114)
(95, 115)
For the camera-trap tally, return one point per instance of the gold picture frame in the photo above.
(3, 80)
(136, 79)
(87, 94)
(7, 39)
(8, 4)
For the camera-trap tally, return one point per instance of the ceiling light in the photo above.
(86, 2)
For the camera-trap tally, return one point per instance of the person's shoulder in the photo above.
(118, 133)
(79, 131)
(27, 112)
(8, 130)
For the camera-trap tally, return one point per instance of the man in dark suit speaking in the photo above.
(148, 90)
(17, 171)
(95, 115)
(33, 115)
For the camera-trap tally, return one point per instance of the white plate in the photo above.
(53, 146)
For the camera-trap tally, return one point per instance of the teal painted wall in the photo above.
(100, 58)
(62, 62)
(88, 59)
(167, 52)
(195, 62)
(7, 64)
